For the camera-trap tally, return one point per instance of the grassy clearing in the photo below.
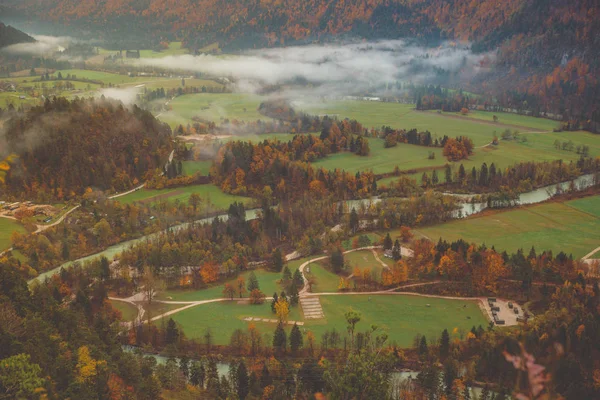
(572, 227)
(266, 279)
(192, 167)
(539, 124)
(7, 227)
(128, 311)
(326, 281)
(402, 316)
(174, 83)
(104, 77)
(211, 194)
(213, 107)
(361, 259)
(224, 318)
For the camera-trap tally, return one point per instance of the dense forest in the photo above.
(10, 35)
(65, 147)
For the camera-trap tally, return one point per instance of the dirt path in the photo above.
(597, 249)
(384, 265)
(128, 192)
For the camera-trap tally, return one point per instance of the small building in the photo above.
(388, 254)
(132, 54)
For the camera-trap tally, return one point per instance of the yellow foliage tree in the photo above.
(87, 367)
(282, 309)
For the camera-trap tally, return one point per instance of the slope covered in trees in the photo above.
(10, 35)
(63, 148)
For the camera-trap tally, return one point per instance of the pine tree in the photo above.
(274, 301)
(434, 178)
(287, 275)
(252, 282)
(172, 333)
(196, 373)
(423, 346)
(387, 242)
(298, 280)
(265, 377)
(277, 261)
(448, 174)
(354, 224)
(242, 384)
(397, 251)
(445, 344)
(279, 338)
(184, 366)
(294, 296)
(296, 341)
(337, 261)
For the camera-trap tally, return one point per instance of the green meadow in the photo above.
(572, 227)
(210, 194)
(7, 227)
(401, 316)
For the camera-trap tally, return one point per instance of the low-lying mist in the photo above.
(333, 70)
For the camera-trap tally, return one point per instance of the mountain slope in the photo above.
(10, 35)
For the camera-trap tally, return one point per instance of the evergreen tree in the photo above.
(287, 275)
(434, 178)
(445, 344)
(423, 346)
(448, 174)
(397, 251)
(172, 332)
(184, 366)
(196, 372)
(280, 338)
(298, 280)
(294, 296)
(252, 282)
(387, 242)
(242, 384)
(296, 341)
(277, 261)
(274, 301)
(265, 377)
(354, 223)
(337, 261)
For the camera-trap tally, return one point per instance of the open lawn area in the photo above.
(362, 259)
(538, 124)
(210, 194)
(104, 77)
(267, 281)
(325, 280)
(572, 227)
(129, 312)
(225, 317)
(213, 107)
(402, 316)
(7, 227)
(377, 114)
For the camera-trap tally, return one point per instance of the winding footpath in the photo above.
(138, 298)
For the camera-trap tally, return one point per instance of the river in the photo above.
(535, 196)
(112, 251)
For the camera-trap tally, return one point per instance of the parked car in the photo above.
(516, 310)
(510, 304)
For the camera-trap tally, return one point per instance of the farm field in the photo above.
(572, 227)
(539, 124)
(213, 107)
(128, 311)
(105, 77)
(402, 316)
(174, 83)
(209, 193)
(7, 227)
(174, 49)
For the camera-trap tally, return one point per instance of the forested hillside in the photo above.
(63, 147)
(10, 35)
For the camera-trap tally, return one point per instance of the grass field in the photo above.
(209, 193)
(7, 227)
(213, 107)
(104, 77)
(128, 311)
(192, 167)
(539, 124)
(266, 279)
(402, 316)
(326, 281)
(572, 227)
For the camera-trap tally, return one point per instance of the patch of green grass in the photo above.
(267, 281)
(213, 107)
(325, 280)
(361, 259)
(225, 317)
(7, 227)
(402, 316)
(129, 312)
(191, 167)
(210, 194)
(538, 124)
(382, 160)
(552, 226)
(104, 77)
